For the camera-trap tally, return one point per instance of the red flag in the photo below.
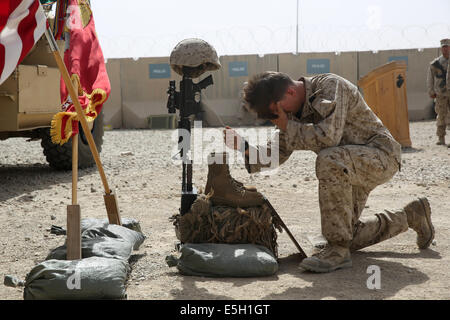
(86, 65)
(22, 23)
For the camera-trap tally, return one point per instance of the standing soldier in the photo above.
(438, 84)
(355, 153)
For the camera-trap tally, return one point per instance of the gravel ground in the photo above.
(139, 168)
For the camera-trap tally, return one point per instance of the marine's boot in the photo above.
(418, 214)
(441, 141)
(328, 259)
(225, 190)
(248, 188)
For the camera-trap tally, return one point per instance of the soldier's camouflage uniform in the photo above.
(438, 83)
(355, 153)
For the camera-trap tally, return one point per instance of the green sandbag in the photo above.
(114, 231)
(129, 223)
(97, 247)
(224, 260)
(85, 279)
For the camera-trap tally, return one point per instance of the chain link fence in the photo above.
(264, 40)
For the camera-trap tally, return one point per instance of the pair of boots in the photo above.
(333, 257)
(225, 190)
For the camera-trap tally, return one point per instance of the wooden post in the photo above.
(112, 210)
(112, 207)
(73, 244)
(74, 169)
(73, 232)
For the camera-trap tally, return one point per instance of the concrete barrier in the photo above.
(308, 64)
(112, 108)
(225, 96)
(144, 89)
(139, 87)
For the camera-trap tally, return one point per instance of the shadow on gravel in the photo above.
(346, 284)
(191, 290)
(22, 180)
(423, 254)
(410, 150)
(351, 283)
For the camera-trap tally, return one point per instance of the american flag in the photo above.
(22, 23)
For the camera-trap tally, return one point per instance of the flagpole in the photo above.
(296, 32)
(109, 197)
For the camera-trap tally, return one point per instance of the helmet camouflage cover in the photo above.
(196, 54)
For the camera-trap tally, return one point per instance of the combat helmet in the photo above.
(192, 57)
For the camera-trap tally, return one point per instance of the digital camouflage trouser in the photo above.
(442, 108)
(346, 176)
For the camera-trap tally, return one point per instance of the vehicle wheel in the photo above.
(60, 157)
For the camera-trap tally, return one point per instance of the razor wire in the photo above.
(240, 40)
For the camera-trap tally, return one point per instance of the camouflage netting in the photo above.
(205, 223)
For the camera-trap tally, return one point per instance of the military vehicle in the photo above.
(28, 100)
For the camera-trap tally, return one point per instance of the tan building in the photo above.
(139, 87)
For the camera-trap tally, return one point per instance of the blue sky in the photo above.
(151, 28)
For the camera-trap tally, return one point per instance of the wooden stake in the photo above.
(75, 161)
(74, 168)
(73, 232)
(112, 206)
(73, 243)
(73, 236)
(113, 214)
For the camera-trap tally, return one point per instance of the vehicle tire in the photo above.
(60, 157)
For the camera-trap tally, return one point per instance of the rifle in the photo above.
(283, 225)
(187, 101)
(442, 76)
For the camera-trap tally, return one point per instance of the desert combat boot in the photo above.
(328, 259)
(225, 190)
(418, 214)
(441, 141)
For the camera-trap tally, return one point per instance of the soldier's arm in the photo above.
(257, 158)
(430, 83)
(332, 105)
(270, 156)
(448, 76)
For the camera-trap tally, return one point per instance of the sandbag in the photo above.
(114, 231)
(89, 278)
(224, 260)
(106, 247)
(129, 223)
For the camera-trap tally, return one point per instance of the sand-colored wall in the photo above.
(139, 87)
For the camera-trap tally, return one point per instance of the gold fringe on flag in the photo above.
(56, 127)
(66, 118)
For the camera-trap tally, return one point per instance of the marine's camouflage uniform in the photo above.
(355, 153)
(438, 83)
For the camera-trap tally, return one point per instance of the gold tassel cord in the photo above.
(90, 113)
